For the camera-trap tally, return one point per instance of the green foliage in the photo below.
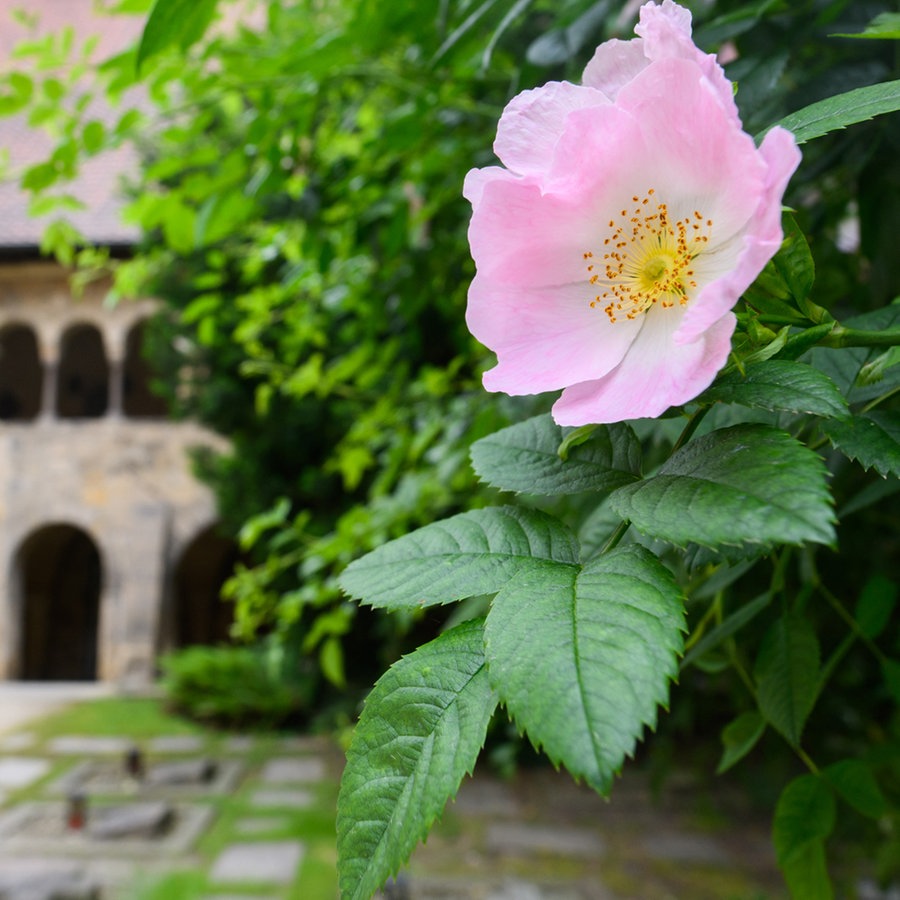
(787, 676)
(174, 22)
(731, 487)
(421, 730)
(779, 384)
(236, 687)
(804, 818)
(473, 553)
(846, 109)
(526, 458)
(581, 659)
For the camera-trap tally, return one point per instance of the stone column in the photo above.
(49, 389)
(116, 389)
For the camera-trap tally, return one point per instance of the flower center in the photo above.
(647, 259)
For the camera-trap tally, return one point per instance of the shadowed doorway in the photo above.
(200, 616)
(60, 577)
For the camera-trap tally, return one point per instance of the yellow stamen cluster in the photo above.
(647, 259)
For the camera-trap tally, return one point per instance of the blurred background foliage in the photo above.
(301, 218)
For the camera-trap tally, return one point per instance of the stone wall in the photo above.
(89, 470)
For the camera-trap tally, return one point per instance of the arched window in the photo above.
(199, 615)
(59, 571)
(83, 374)
(21, 374)
(138, 400)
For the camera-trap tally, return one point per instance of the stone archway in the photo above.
(138, 400)
(198, 614)
(21, 374)
(59, 574)
(83, 375)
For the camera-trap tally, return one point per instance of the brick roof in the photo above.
(99, 180)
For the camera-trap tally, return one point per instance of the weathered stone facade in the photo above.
(107, 551)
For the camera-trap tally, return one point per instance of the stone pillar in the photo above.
(48, 389)
(116, 388)
(129, 619)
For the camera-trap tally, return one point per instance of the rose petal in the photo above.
(527, 238)
(654, 375)
(760, 241)
(666, 31)
(545, 338)
(613, 65)
(533, 121)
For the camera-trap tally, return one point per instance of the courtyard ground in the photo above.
(262, 824)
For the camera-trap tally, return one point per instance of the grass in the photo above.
(136, 717)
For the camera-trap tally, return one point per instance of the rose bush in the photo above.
(630, 215)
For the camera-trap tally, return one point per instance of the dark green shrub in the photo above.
(246, 687)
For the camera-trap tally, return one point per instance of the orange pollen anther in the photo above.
(647, 259)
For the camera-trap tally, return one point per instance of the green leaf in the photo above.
(794, 261)
(854, 781)
(525, 458)
(875, 605)
(845, 109)
(787, 676)
(747, 483)
(739, 737)
(171, 22)
(884, 25)
(476, 552)
(582, 660)
(780, 384)
(93, 136)
(872, 439)
(806, 874)
(804, 818)
(420, 732)
(725, 629)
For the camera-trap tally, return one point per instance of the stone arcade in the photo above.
(108, 551)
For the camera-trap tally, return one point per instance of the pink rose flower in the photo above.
(630, 215)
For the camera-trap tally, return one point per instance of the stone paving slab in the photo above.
(685, 848)
(176, 743)
(19, 771)
(291, 769)
(487, 797)
(46, 880)
(282, 799)
(494, 888)
(527, 839)
(22, 741)
(83, 745)
(274, 862)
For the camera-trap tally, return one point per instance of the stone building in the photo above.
(108, 548)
